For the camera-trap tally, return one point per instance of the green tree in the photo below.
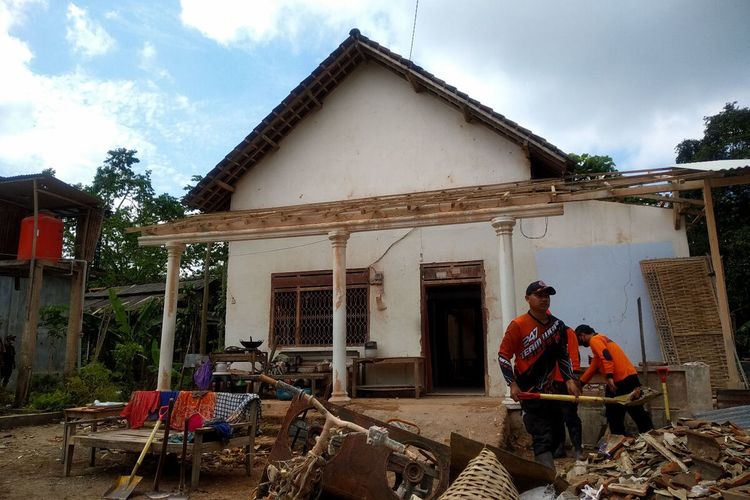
(726, 136)
(130, 201)
(588, 165)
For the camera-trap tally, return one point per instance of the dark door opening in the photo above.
(455, 329)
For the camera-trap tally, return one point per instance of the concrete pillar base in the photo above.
(340, 399)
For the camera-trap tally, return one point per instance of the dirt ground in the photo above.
(31, 465)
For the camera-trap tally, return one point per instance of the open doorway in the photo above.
(455, 335)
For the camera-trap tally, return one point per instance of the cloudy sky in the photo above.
(184, 82)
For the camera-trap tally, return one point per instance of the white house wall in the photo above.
(375, 136)
(591, 255)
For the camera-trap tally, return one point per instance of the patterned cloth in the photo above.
(235, 407)
(188, 403)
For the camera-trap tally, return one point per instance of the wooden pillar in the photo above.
(169, 318)
(338, 243)
(31, 323)
(721, 288)
(75, 317)
(204, 303)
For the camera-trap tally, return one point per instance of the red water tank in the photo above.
(49, 239)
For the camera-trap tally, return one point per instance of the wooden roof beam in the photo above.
(223, 185)
(412, 79)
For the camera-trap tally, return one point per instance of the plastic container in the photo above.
(371, 349)
(49, 240)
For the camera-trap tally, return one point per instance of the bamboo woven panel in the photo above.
(483, 478)
(686, 313)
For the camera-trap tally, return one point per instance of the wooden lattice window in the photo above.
(302, 308)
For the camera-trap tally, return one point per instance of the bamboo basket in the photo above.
(483, 478)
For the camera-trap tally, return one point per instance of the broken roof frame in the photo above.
(440, 207)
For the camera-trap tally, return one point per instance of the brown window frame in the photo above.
(310, 282)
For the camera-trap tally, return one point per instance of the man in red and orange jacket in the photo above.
(620, 375)
(536, 344)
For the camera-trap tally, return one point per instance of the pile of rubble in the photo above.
(691, 459)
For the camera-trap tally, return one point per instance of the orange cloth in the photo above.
(140, 405)
(575, 356)
(609, 360)
(188, 403)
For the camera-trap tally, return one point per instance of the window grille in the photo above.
(302, 309)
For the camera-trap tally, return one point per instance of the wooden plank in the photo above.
(721, 287)
(664, 451)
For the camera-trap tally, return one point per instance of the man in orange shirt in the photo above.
(536, 343)
(620, 375)
(570, 418)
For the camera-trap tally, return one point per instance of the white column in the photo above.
(504, 229)
(169, 318)
(338, 242)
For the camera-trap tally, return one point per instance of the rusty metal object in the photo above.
(360, 470)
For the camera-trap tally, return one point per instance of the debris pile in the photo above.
(692, 459)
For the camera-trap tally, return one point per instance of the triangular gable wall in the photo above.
(376, 136)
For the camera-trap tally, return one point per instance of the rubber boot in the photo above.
(559, 451)
(546, 459)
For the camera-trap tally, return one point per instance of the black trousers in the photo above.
(540, 417)
(616, 412)
(570, 419)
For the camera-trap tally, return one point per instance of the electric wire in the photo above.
(413, 28)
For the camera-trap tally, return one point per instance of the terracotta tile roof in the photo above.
(213, 192)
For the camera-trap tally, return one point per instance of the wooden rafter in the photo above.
(439, 207)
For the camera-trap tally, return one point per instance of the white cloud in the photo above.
(86, 36)
(631, 78)
(69, 121)
(240, 22)
(149, 62)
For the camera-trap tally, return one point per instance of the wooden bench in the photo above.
(359, 375)
(133, 440)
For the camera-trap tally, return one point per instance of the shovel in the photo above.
(156, 494)
(125, 485)
(635, 398)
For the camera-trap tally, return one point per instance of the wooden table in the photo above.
(251, 357)
(93, 413)
(359, 375)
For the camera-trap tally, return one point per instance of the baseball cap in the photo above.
(539, 285)
(584, 329)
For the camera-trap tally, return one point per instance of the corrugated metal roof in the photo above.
(738, 415)
(133, 296)
(53, 194)
(716, 165)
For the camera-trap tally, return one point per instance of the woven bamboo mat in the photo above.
(686, 313)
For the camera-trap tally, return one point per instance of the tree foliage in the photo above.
(587, 166)
(129, 200)
(726, 136)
